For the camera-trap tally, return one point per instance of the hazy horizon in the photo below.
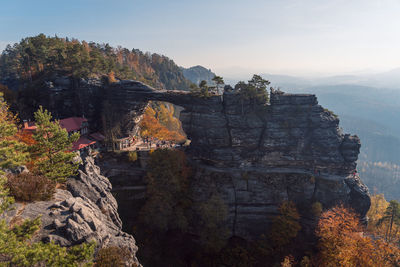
(289, 37)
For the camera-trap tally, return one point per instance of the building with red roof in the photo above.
(97, 136)
(82, 142)
(73, 125)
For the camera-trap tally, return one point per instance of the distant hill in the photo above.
(36, 57)
(198, 73)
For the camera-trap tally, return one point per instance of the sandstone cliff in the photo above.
(85, 212)
(254, 156)
(257, 157)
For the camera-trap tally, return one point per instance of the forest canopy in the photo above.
(41, 55)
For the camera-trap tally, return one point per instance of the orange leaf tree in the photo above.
(342, 242)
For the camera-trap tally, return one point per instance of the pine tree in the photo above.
(391, 215)
(255, 90)
(12, 152)
(52, 148)
(218, 81)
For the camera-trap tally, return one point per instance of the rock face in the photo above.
(228, 131)
(254, 156)
(85, 212)
(257, 156)
(292, 132)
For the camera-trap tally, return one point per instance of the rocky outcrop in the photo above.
(292, 132)
(85, 212)
(253, 196)
(256, 156)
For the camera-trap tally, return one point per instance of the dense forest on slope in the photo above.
(36, 56)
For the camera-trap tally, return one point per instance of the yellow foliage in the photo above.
(378, 207)
(288, 261)
(132, 156)
(151, 125)
(343, 243)
(150, 112)
(111, 77)
(375, 213)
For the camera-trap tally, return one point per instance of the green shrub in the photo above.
(30, 187)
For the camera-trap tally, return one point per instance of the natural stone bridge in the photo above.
(256, 156)
(293, 131)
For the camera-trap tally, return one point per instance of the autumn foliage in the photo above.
(26, 137)
(342, 242)
(30, 187)
(34, 56)
(161, 124)
(112, 256)
(111, 77)
(384, 218)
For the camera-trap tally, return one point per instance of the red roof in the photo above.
(29, 126)
(81, 143)
(97, 136)
(72, 124)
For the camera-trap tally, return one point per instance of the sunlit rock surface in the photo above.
(85, 212)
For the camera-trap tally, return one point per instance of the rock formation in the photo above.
(85, 212)
(254, 156)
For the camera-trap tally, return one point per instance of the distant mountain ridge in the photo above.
(198, 73)
(389, 79)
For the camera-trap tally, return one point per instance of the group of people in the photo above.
(150, 142)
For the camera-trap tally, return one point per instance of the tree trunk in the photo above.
(391, 225)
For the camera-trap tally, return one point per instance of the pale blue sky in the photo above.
(228, 36)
